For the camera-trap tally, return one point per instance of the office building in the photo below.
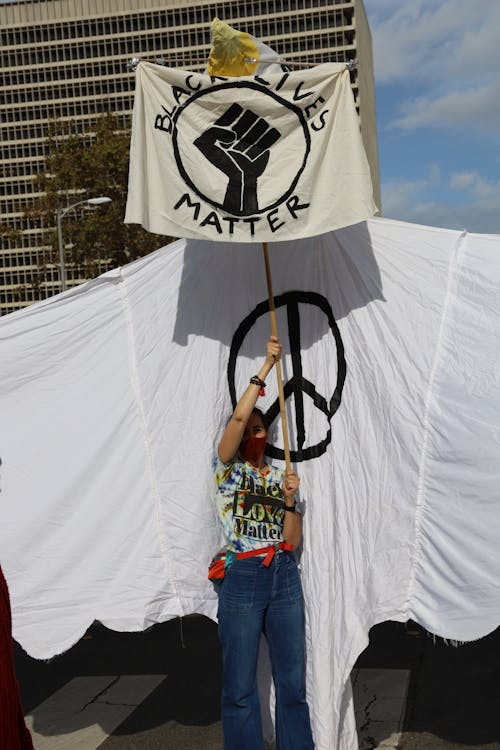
(67, 59)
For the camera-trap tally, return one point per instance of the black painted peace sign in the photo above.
(298, 385)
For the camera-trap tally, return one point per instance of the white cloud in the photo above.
(476, 185)
(448, 51)
(441, 59)
(479, 209)
(461, 180)
(434, 174)
(478, 108)
(401, 196)
(414, 40)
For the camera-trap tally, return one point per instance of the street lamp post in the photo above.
(62, 212)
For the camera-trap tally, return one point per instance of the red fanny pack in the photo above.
(217, 567)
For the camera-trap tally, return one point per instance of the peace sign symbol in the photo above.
(297, 385)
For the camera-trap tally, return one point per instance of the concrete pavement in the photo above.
(160, 689)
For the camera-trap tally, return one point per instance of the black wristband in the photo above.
(255, 380)
(291, 508)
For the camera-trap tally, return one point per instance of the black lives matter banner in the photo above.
(250, 159)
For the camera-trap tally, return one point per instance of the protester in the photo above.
(14, 734)
(260, 591)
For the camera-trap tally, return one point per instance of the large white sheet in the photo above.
(113, 396)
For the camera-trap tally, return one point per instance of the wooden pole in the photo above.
(279, 376)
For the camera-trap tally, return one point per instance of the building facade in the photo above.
(67, 60)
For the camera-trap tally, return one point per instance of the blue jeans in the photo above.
(254, 599)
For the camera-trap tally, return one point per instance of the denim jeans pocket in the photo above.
(238, 589)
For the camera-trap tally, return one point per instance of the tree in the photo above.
(80, 166)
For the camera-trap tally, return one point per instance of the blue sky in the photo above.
(437, 74)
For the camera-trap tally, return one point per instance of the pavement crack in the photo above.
(96, 697)
(369, 743)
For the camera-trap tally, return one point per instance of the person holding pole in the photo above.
(259, 586)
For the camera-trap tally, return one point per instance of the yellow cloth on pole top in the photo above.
(233, 53)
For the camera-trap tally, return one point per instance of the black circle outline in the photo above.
(258, 87)
(328, 408)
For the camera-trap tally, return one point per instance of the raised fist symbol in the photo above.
(238, 144)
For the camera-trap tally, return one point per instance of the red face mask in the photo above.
(253, 448)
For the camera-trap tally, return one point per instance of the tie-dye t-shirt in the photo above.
(250, 505)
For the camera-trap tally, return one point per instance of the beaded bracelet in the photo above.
(255, 380)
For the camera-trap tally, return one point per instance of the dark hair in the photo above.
(265, 419)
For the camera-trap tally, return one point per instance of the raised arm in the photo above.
(233, 433)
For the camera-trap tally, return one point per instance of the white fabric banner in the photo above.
(114, 394)
(266, 158)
